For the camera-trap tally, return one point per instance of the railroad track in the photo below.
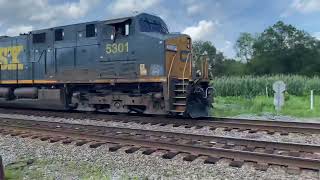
(228, 124)
(211, 148)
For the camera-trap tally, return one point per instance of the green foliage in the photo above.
(218, 64)
(205, 49)
(244, 46)
(232, 67)
(280, 49)
(295, 106)
(14, 171)
(250, 86)
(198, 50)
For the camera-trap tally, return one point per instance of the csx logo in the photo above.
(9, 58)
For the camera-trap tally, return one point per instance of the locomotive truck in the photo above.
(125, 65)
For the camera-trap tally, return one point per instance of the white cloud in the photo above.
(227, 46)
(195, 8)
(302, 6)
(125, 7)
(317, 35)
(15, 30)
(67, 10)
(306, 6)
(41, 13)
(202, 31)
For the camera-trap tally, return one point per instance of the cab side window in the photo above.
(118, 30)
(91, 30)
(58, 35)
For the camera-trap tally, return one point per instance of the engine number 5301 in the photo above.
(117, 48)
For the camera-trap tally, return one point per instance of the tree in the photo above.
(280, 49)
(244, 46)
(233, 67)
(200, 48)
(203, 49)
(218, 64)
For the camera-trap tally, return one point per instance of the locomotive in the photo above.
(125, 65)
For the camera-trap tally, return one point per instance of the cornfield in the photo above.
(251, 86)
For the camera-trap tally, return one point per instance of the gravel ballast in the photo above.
(118, 164)
(290, 138)
(57, 161)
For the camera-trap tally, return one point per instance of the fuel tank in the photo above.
(27, 93)
(5, 92)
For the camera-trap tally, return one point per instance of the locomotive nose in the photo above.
(190, 95)
(178, 57)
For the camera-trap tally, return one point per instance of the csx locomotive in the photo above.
(126, 65)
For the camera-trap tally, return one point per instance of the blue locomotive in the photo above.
(127, 65)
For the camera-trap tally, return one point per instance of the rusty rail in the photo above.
(174, 143)
(228, 124)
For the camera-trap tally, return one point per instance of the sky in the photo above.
(218, 21)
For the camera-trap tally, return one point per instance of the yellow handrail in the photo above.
(184, 70)
(191, 61)
(202, 69)
(169, 73)
(206, 69)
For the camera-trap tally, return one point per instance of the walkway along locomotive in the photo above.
(130, 64)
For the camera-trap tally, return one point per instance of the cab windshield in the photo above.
(147, 25)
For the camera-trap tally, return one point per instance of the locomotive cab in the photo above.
(159, 64)
(168, 56)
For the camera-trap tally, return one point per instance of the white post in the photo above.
(311, 100)
(267, 91)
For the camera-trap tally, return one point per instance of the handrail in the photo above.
(184, 70)
(191, 61)
(40, 56)
(0, 73)
(206, 70)
(202, 69)
(169, 73)
(16, 70)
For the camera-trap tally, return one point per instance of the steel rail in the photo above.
(213, 122)
(194, 137)
(135, 138)
(270, 122)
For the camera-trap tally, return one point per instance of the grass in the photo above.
(36, 169)
(296, 106)
(15, 170)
